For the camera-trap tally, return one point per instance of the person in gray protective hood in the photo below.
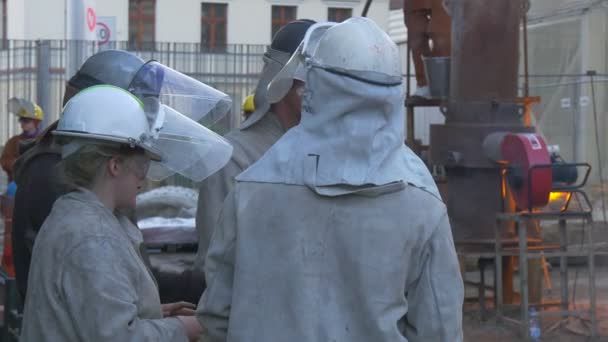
(357, 245)
(255, 136)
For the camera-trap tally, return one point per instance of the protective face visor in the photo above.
(191, 98)
(24, 109)
(185, 146)
(295, 67)
(178, 108)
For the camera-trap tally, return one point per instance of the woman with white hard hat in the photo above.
(88, 281)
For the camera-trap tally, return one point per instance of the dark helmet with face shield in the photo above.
(112, 67)
(284, 43)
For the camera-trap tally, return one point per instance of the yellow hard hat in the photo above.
(248, 105)
(25, 109)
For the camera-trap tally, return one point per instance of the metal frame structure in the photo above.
(527, 249)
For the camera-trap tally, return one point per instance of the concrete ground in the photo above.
(572, 330)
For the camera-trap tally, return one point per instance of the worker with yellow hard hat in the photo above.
(248, 106)
(30, 116)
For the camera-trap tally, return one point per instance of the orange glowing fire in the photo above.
(559, 196)
(560, 199)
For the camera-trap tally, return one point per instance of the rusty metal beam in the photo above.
(485, 58)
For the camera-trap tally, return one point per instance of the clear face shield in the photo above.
(185, 147)
(177, 107)
(295, 67)
(20, 107)
(184, 94)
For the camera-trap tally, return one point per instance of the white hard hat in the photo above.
(110, 115)
(357, 48)
(106, 114)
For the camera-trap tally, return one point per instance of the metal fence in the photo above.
(38, 70)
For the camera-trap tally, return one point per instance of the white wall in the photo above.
(15, 28)
(178, 21)
(118, 9)
(43, 19)
(249, 21)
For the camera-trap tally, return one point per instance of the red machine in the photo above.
(529, 173)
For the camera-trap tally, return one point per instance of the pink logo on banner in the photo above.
(91, 19)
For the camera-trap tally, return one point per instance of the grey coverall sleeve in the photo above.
(435, 298)
(212, 193)
(214, 307)
(99, 287)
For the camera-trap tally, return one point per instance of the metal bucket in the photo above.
(438, 76)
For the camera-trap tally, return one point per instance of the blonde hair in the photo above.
(83, 167)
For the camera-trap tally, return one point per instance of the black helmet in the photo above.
(289, 37)
(113, 67)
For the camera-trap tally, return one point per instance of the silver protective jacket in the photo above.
(337, 233)
(88, 282)
(379, 266)
(248, 146)
(350, 138)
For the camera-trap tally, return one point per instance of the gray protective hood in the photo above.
(350, 139)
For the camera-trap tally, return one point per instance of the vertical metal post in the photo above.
(498, 270)
(592, 73)
(234, 118)
(27, 65)
(482, 289)
(62, 64)
(580, 126)
(563, 266)
(524, 19)
(410, 126)
(366, 8)
(43, 78)
(523, 276)
(592, 294)
(9, 67)
(408, 68)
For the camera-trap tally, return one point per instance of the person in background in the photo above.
(39, 185)
(88, 280)
(35, 170)
(30, 116)
(255, 136)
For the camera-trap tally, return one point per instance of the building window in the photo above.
(142, 24)
(214, 21)
(3, 41)
(338, 15)
(281, 16)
